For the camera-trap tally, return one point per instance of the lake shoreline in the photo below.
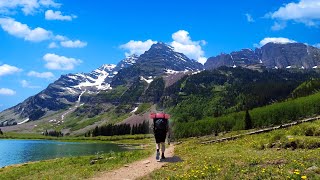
(79, 167)
(113, 139)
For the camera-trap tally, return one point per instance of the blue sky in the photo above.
(43, 39)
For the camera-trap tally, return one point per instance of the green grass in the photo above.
(76, 123)
(15, 135)
(115, 117)
(245, 159)
(144, 107)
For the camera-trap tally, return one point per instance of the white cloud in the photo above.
(249, 17)
(26, 84)
(137, 47)
(304, 11)
(20, 30)
(57, 15)
(60, 38)
(277, 40)
(27, 6)
(73, 44)
(6, 69)
(45, 75)
(193, 49)
(6, 91)
(49, 3)
(317, 45)
(57, 62)
(278, 26)
(38, 34)
(53, 45)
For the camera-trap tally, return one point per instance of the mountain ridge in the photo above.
(271, 55)
(138, 72)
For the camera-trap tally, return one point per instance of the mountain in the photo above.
(159, 59)
(271, 55)
(67, 91)
(63, 93)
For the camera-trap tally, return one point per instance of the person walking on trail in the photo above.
(160, 130)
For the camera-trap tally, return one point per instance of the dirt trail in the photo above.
(139, 168)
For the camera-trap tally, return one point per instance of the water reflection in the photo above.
(20, 151)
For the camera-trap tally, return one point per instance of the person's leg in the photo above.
(157, 138)
(157, 146)
(163, 148)
(158, 151)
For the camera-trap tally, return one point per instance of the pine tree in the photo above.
(247, 121)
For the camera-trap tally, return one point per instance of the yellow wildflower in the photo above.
(303, 177)
(297, 172)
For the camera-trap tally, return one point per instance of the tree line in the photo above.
(53, 133)
(120, 129)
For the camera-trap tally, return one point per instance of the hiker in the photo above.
(160, 130)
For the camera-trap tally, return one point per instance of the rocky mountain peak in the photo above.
(271, 55)
(161, 46)
(128, 61)
(165, 55)
(106, 67)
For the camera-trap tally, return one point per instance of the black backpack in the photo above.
(160, 124)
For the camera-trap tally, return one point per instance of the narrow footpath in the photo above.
(139, 168)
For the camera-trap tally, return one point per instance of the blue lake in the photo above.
(21, 151)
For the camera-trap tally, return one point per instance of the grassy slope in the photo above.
(250, 157)
(78, 167)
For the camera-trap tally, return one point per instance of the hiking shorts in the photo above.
(160, 137)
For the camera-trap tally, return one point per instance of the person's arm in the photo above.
(153, 126)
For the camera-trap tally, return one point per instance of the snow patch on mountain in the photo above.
(96, 79)
(134, 110)
(24, 121)
(128, 61)
(149, 80)
(170, 71)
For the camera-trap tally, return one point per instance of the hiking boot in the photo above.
(158, 156)
(162, 156)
